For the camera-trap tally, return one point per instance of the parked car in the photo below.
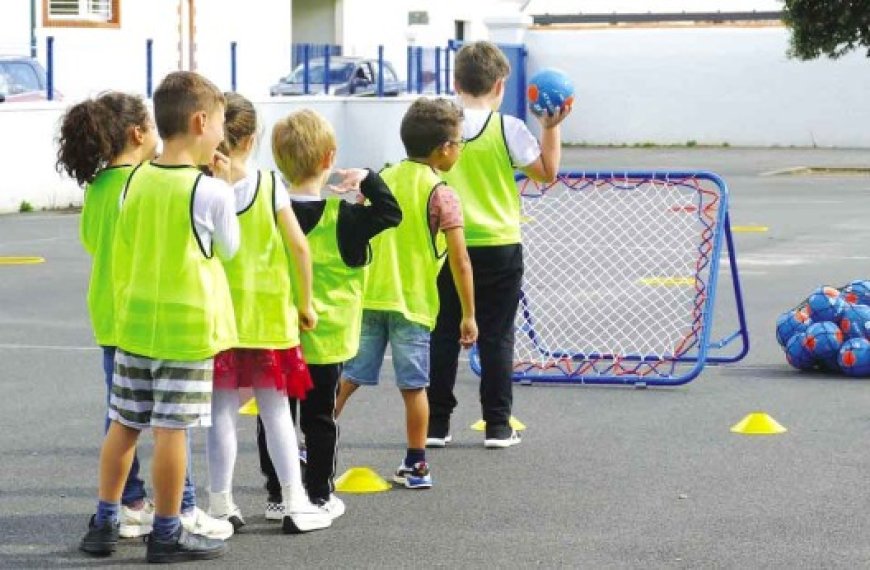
(22, 79)
(347, 76)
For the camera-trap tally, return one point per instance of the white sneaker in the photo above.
(221, 506)
(305, 517)
(274, 511)
(333, 506)
(137, 522)
(198, 522)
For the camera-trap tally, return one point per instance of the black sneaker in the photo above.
(184, 546)
(438, 434)
(501, 437)
(100, 540)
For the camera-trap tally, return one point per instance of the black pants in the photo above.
(317, 420)
(498, 275)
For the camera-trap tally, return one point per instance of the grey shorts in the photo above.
(160, 393)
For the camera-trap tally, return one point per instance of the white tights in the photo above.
(280, 439)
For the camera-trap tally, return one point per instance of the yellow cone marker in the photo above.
(480, 425)
(250, 408)
(361, 480)
(749, 229)
(758, 423)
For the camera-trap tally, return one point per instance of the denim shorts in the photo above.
(409, 343)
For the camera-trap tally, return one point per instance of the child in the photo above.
(267, 357)
(100, 142)
(484, 179)
(401, 296)
(173, 313)
(338, 232)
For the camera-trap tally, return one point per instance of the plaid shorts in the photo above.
(160, 393)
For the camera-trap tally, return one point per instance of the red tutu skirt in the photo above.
(283, 370)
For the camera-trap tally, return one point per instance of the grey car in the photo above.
(347, 76)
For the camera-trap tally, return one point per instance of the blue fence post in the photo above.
(410, 67)
(447, 77)
(49, 65)
(380, 71)
(419, 70)
(326, 55)
(233, 67)
(149, 67)
(438, 70)
(306, 56)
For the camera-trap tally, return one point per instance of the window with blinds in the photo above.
(81, 12)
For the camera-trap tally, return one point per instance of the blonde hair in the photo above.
(299, 142)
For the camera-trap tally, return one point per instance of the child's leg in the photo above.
(169, 465)
(345, 391)
(273, 485)
(281, 440)
(444, 356)
(116, 455)
(365, 367)
(416, 417)
(222, 445)
(320, 429)
(498, 273)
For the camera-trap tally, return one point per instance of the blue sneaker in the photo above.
(417, 476)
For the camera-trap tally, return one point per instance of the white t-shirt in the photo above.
(522, 145)
(214, 216)
(244, 191)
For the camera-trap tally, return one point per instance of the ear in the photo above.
(498, 88)
(137, 135)
(249, 144)
(197, 122)
(328, 159)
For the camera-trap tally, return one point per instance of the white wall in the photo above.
(367, 131)
(710, 85)
(14, 27)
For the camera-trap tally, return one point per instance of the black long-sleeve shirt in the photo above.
(357, 223)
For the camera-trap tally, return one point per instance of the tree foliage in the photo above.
(827, 27)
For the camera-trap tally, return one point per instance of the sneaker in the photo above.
(305, 517)
(274, 509)
(499, 442)
(137, 522)
(184, 546)
(222, 507)
(417, 476)
(439, 441)
(100, 540)
(332, 505)
(197, 522)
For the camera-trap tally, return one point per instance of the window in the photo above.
(81, 13)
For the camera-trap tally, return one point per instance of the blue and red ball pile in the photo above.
(829, 331)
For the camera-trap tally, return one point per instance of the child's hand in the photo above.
(307, 318)
(350, 180)
(220, 166)
(549, 121)
(467, 332)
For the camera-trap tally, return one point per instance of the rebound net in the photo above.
(620, 278)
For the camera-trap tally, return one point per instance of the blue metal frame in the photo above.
(705, 345)
(49, 68)
(149, 67)
(233, 66)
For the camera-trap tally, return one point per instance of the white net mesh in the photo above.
(616, 275)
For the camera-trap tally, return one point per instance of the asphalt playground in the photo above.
(606, 477)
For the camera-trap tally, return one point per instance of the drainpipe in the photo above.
(33, 28)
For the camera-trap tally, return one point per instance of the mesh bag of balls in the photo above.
(829, 331)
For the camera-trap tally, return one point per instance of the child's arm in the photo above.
(297, 245)
(460, 267)
(546, 168)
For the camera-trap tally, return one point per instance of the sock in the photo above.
(165, 527)
(107, 512)
(413, 456)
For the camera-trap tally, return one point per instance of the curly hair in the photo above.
(95, 131)
(427, 124)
